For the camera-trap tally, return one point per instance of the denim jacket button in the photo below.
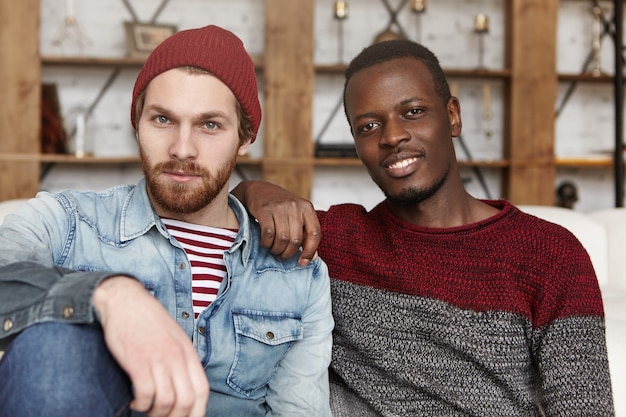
(269, 335)
(8, 324)
(185, 315)
(68, 312)
(182, 266)
(201, 330)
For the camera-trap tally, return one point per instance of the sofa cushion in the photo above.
(614, 221)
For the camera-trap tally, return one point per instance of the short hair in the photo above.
(399, 48)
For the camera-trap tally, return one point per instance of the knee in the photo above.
(51, 345)
(57, 364)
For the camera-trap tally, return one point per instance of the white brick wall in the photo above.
(585, 126)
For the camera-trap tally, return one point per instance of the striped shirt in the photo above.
(205, 247)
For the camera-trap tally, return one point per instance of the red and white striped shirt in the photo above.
(205, 247)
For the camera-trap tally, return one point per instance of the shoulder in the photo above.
(555, 223)
(110, 196)
(348, 215)
(265, 260)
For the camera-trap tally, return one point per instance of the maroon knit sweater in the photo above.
(499, 318)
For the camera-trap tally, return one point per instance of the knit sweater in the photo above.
(499, 318)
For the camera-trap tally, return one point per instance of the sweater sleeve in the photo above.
(569, 342)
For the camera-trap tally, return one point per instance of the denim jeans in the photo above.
(62, 370)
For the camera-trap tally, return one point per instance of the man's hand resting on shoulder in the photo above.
(167, 376)
(287, 221)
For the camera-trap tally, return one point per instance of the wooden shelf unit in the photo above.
(288, 73)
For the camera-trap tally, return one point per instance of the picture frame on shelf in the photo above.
(142, 38)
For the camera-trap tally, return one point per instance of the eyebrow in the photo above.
(202, 116)
(400, 104)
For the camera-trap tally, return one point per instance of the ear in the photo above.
(243, 148)
(454, 115)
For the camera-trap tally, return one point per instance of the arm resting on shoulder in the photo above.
(287, 221)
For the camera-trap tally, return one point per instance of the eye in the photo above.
(367, 127)
(210, 125)
(161, 120)
(415, 111)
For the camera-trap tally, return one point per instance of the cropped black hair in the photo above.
(399, 48)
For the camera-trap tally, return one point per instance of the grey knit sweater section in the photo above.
(411, 356)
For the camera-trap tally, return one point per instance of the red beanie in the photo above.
(211, 48)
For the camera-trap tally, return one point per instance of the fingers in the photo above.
(282, 230)
(200, 386)
(173, 395)
(289, 226)
(287, 221)
(312, 239)
(143, 393)
(151, 347)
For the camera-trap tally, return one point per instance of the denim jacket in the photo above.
(265, 342)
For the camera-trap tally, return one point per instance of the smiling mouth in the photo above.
(402, 163)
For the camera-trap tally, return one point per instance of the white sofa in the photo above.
(603, 234)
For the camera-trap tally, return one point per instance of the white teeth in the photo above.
(403, 164)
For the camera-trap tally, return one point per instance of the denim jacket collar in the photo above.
(138, 217)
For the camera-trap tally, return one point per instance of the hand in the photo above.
(167, 376)
(287, 221)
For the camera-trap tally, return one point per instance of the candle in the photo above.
(79, 139)
(418, 6)
(341, 10)
(481, 23)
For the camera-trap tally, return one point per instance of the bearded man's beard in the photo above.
(180, 197)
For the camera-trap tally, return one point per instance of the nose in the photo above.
(394, 133)
(183, 146)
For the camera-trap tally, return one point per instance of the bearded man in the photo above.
(144, 298)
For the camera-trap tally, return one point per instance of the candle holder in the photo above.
(341, 14)
(481, 27)
(418, 7)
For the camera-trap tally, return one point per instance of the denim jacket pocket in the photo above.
(262, 339)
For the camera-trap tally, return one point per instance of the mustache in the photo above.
(188, 167)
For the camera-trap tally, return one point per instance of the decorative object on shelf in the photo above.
(52, 131)
(388, 33)
(335, 150)
(341, 10)
(481, 27)
(341, 14)
(566, 194)
(80, 143)
(418, 7)
(596, 40)
(70, 31)
(602, 26)
(142, 38)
